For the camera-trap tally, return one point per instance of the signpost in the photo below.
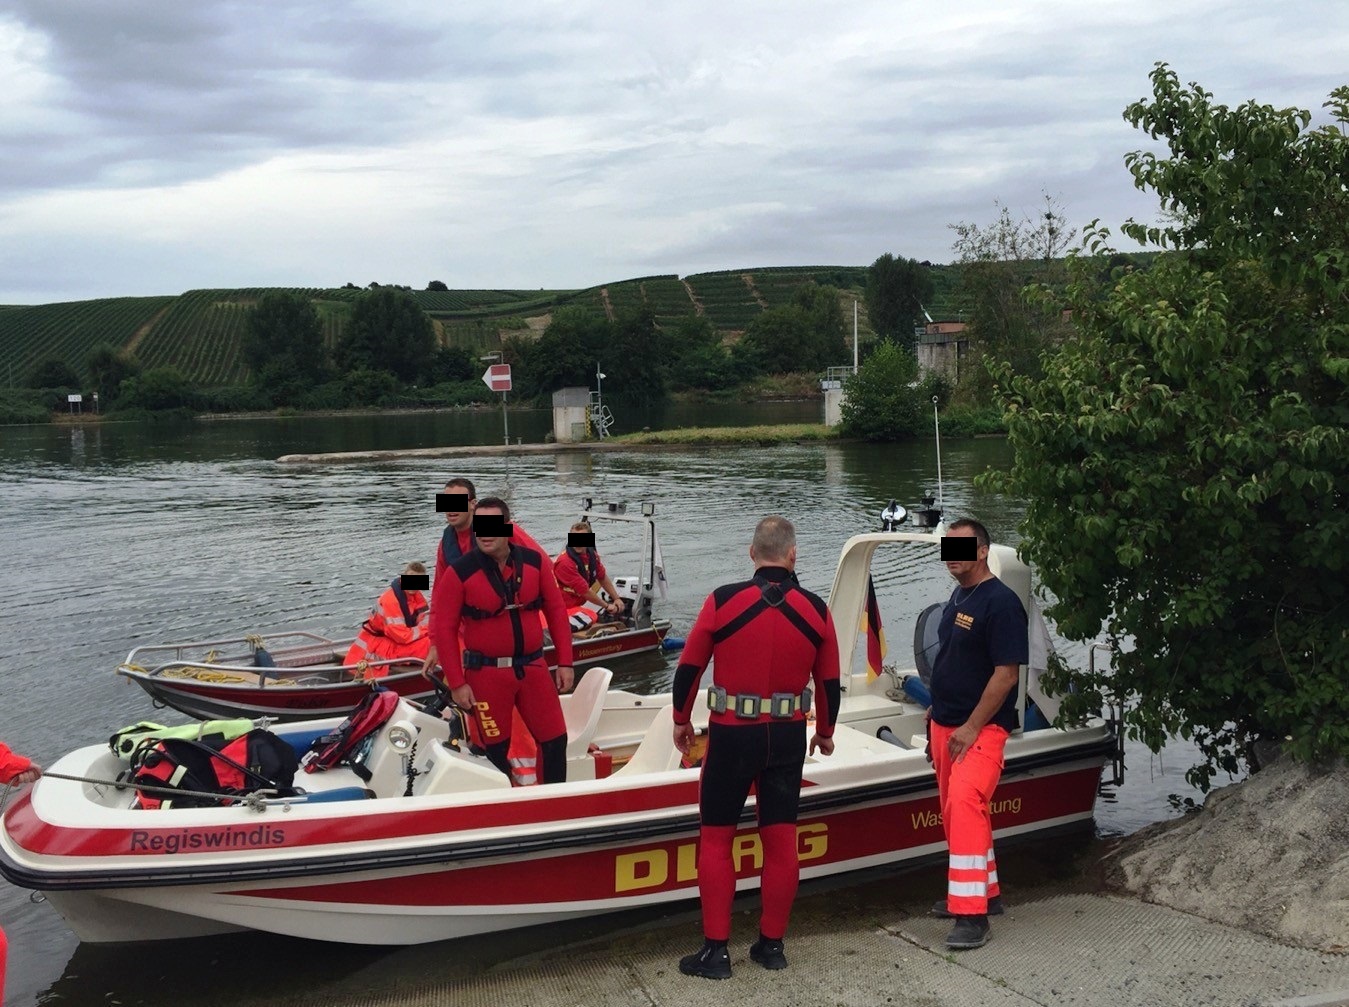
(75, 400)
(497, 377)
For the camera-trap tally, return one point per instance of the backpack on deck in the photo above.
(340, 746)
(258, 760)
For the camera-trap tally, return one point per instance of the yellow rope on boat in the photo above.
(136, 668)
(212, 656)
(255, 641)
(212, 675)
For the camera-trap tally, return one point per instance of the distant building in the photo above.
(941, 347)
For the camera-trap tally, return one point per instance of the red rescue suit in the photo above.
(493, 612)
(398, 627)
(12, 764)
(577, 571)
(455, 544)
(769, 638)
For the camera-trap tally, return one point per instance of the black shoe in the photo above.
(713, 961)
(768, 953)
(969, 932)
(940, 911)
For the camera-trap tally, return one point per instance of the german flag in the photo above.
(871, 625)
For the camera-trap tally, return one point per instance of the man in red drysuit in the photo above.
(768, 638)
(492, 595)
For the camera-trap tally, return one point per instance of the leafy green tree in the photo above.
(635, 361)
(880, 402)
(806, 335)
(453, 363)
(156, 389)
(437, 285)
(283, 346)
(696, 357)
(1185, 458)
(896, 290)
(564, 356)
(998, 261)
(53, 373)
(110, 367)
(388, 331)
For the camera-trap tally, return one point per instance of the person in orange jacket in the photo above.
(399, 624)
(580, 575)
(15, 768)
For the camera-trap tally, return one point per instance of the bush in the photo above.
(23, 406)
(54, 373)
(880, 402)
(365, 387)
(157, 389)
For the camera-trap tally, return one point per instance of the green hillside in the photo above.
(199, 331)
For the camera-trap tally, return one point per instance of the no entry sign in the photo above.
(498, 377)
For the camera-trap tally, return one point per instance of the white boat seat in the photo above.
(657, 752)
(582, 710)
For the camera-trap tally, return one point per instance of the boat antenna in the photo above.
(936, 423)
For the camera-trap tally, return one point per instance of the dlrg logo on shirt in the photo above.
(964, 621)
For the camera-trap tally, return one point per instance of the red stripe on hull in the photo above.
(641, 870)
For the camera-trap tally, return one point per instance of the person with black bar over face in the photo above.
(768, 639)
(580, 574)
(457, 503)
(983, 641)
(493, 595)
(399, 624)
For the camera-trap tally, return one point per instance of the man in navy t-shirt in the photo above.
(984, 641)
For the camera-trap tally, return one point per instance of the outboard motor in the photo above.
(928, 516)
(893, 516)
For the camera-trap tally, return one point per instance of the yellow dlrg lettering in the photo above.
(644, 869)
(812, 841)
(686, 862)
(748, 845)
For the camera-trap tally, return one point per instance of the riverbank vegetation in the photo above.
(1184, 456)
(781, 433)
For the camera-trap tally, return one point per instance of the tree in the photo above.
(156, 389)
(1185, 458)
(283, 346)
(53, 373)
(879, 401)
(437, 285)
(998, 261)
(805, 335)
(110, 367)
(565, 355)
(635, 361)
(453, 363)
(896, 291)
(388, 331)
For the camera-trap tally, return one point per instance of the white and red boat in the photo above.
(446, 847)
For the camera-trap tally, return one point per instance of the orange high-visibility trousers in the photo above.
(965, 789)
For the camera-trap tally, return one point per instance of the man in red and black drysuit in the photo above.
(984, 641)
(490, 598)
(580, 574)
(768, 638)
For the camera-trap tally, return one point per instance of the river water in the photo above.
(121, 535)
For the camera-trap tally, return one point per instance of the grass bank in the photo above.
(783, 433)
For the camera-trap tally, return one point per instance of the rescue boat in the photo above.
(421, 840)
(307, 678)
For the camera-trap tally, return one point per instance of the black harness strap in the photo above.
(585, 564)
(771, 595)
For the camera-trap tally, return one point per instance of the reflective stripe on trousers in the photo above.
(965, 789)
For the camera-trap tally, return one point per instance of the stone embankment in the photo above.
(1269, 855)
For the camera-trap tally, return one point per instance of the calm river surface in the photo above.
(120, 535)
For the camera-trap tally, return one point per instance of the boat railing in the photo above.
(276, 642)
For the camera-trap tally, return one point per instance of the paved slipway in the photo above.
(1062, 941)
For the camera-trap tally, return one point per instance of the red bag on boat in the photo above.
(338, 746)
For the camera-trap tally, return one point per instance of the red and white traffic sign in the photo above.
(498, 377)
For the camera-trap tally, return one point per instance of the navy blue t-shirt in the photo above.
(985, 629)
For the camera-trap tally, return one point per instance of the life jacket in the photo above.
(506, 590)
(449, 544)
(587, 563)
(258, 760)
(216, 733)
(339, 746)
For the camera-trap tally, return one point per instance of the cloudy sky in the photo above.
(153, 146)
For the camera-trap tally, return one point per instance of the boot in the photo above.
(768, 953)
(712, 961)
(940, 911)
(969, 932)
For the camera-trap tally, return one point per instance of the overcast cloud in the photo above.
(154, 147)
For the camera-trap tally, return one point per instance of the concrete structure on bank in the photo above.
(941, 348)
(571, 415)
(832, 386)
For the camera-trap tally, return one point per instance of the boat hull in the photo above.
(392, 879)
(340, 693)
